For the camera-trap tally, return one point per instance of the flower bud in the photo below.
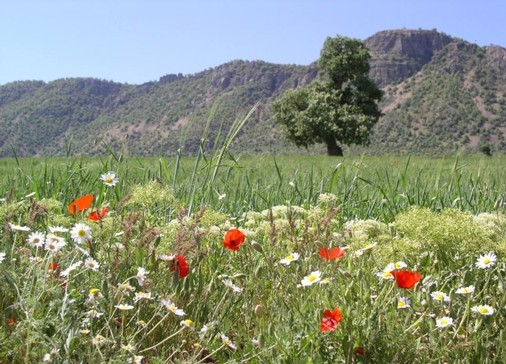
(255, 245)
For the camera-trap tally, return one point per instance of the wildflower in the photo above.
(58, 230)
(128, 347)
(109, 179)
(230, 285)
(53, 266)
(94, 294)
(403, 302)
(98, 215)
(172, 307)
(50, 357)
(85, 331)
(325, 281)
(465, 290)
(309, 280)
(80, 233)
(486, 260)
(188, 324)
(440, 296)
(125, 287)
(180, 265)
(386, 275)
(483, 310)
(93, 313)
(99, 339)
(2, 257)
(137, 359)
(332, 254)
(369, 247)
(54, 243)
(141, 275)
(290, 258)
(227, 342)
(14, 227)
(71, 268)
(406, 279)
(36, 240)
(92, 264)
(80, 204)
(233, 239)
(397, 265)
(124, 307)
(330, 320)
(142, 296)
(444, 322)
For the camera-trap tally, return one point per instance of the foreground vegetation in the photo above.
(342, 260)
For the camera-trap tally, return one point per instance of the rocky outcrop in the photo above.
(399, 54)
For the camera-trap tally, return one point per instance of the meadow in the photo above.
(228, 259)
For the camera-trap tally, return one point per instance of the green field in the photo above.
(438, 216)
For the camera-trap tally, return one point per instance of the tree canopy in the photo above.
(341, 107)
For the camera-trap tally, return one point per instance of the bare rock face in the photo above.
(496, 57)
(399, 54)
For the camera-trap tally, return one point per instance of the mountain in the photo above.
(442, 95)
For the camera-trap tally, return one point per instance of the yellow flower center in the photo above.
(483, 310)
(81, 233)
(109, 179)
(486, 261)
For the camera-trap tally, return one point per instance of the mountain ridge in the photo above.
(160, 117)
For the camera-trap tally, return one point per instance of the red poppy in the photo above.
(98, 215)
(80, 204)
(233, 239)
(52, 266)
(180, 265)
(360, 351)
(332, 254)
(12, 321)
(330, 320)
(405, 278)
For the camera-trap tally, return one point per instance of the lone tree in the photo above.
(340, 108)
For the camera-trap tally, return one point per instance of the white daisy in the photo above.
(80, 233)
(486, 260)
(403, 302)
(227, 342)
(92, 264)
(169, 305)
(440, 296)
(2, 257)
(15, 227)
(141, 275)
(444, 322)
(99, 339)
(188, 324)
(290, 258)
(93, 313)
(465, 290)
(386, 275)
(109, 179)
(311, 279)
(124, 307)
(230, 285)
(36, 239)
(483, 310)
(54, 243)
(142, 296)
(71, 268)
(58, 230)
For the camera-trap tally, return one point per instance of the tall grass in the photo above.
(91, 300)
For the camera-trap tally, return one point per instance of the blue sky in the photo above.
(136, 41)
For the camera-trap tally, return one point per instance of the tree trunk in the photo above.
(334, 149)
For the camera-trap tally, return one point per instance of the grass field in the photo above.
(356, 259)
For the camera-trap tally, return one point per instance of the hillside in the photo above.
(442, 95)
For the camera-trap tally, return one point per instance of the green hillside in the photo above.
(442, 95)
